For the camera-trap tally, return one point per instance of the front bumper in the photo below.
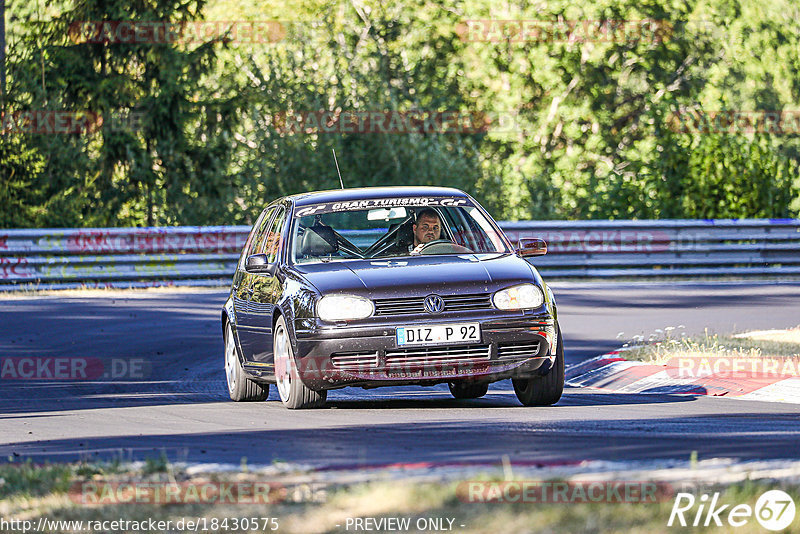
(368, 356)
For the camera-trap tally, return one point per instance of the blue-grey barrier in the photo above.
(207, 255)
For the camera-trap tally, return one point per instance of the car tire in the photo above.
(468, 390)
(293, 393)
(543, 390)
(240, 387)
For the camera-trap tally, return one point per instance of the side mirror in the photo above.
(257, 263)
(531, 247)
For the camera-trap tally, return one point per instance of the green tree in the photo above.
(592, 136)
(369, 58)
(161, 155)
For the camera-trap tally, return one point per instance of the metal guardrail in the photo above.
(119, 257)
(207, 255)
(674, 247)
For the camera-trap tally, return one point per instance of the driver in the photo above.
(427, 227)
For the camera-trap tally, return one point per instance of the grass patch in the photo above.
(665, 345)
(45, 489)
(29, 480)
(156, 465)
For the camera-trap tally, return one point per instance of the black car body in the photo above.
(434, 314)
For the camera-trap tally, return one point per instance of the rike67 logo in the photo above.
(774, 510)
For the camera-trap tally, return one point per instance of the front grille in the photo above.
(436, 356)
(518, 351)
(476, 301)
(414, 305)
(355, 360)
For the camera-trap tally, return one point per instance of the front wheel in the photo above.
(294, 394)
(240, 387)
(543, 390)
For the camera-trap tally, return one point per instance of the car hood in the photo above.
(418, 275)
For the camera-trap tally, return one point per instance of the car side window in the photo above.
(270, 242)
(255, 234)
(462, 230)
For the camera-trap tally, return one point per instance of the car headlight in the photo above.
(521, 297)
(344, 308)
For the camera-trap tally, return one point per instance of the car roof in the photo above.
(361, 193)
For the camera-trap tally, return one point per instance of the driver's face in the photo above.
(427, 229)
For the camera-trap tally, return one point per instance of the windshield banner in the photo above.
(366, 204)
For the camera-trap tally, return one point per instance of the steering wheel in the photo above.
(452, 247)
(435, 242)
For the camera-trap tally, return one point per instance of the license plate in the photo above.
(439, 334)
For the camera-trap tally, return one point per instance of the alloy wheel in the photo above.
(230, 358)
(283, 364)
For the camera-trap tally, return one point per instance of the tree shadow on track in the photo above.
(500, 395)
(135, 350)
(734, 435)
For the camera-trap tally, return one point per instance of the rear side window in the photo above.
(270, 242)
(255, 233)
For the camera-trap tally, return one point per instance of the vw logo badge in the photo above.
(433, 304)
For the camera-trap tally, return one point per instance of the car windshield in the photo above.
(387, 228)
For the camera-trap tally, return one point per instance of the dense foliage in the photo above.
(592, 117)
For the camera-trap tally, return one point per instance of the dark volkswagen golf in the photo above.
(384, 287)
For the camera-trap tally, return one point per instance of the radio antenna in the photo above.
(337, 168)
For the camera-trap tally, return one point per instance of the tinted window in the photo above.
(344, 230)
(270, 242)
(262, 220)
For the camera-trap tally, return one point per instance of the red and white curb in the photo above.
(613, 373)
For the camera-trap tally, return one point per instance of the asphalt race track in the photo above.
(167, 390)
